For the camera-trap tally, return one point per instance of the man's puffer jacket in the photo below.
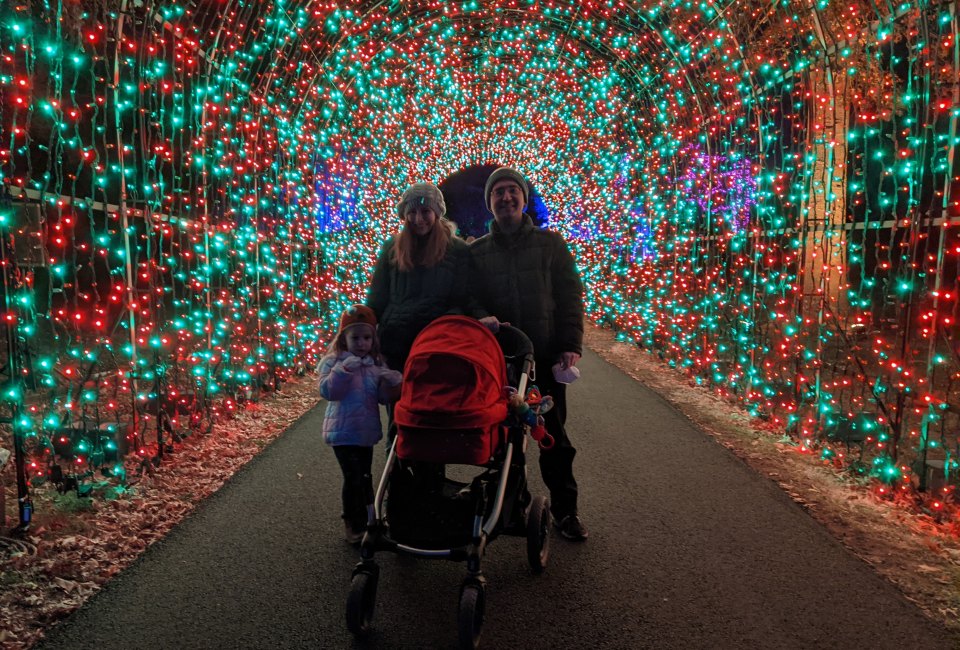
(529, 279)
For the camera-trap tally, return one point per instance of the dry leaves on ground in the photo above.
(81, 543)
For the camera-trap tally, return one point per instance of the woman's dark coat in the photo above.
(407, 301)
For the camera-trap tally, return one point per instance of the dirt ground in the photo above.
(909, 548)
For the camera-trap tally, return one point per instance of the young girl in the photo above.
(354, 380)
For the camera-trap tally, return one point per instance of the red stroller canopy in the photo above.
(453, 378)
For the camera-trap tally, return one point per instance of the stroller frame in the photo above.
(511, 511)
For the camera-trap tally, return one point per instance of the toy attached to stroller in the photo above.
(455, 408)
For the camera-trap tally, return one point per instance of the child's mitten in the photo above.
(352, 363)
(391, 377)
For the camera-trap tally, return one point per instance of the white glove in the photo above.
(566, 375)
(352, 363)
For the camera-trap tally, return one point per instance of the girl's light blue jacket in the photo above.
(354, 388)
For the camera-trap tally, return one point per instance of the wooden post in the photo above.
(825, 219)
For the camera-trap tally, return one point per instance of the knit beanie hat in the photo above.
(508, 173)
(358, 315)
(425, 194)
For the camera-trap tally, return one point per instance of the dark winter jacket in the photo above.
(529, 279)
(406, 302)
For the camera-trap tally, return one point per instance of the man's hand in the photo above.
(568, 360)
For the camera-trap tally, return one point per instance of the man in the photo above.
(526, 277)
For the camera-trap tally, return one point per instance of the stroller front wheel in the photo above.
(362, 598)
(470, 617)
(538, 534)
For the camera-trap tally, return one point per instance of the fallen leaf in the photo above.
(67, 585)
(923, 568)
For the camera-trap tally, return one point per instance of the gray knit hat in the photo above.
(425, 194)
(505, 173)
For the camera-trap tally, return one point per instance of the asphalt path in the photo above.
(689, 548)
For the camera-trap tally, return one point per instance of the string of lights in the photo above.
(763, 194)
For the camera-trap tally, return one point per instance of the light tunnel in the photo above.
(762, 193)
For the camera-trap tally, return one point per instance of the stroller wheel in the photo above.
(470, 617)
(538, 534)
(362, 598)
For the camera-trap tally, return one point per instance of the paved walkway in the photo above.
(689, 549)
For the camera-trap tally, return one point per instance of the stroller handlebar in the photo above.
(513, 342)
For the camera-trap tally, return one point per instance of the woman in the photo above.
(421, 274)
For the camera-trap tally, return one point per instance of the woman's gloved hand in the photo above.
(492, 323)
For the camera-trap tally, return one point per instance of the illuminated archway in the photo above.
(759, 192)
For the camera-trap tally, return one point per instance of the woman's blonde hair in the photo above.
(411, 251)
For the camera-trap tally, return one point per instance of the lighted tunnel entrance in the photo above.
(463, 193)
(762, 193)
